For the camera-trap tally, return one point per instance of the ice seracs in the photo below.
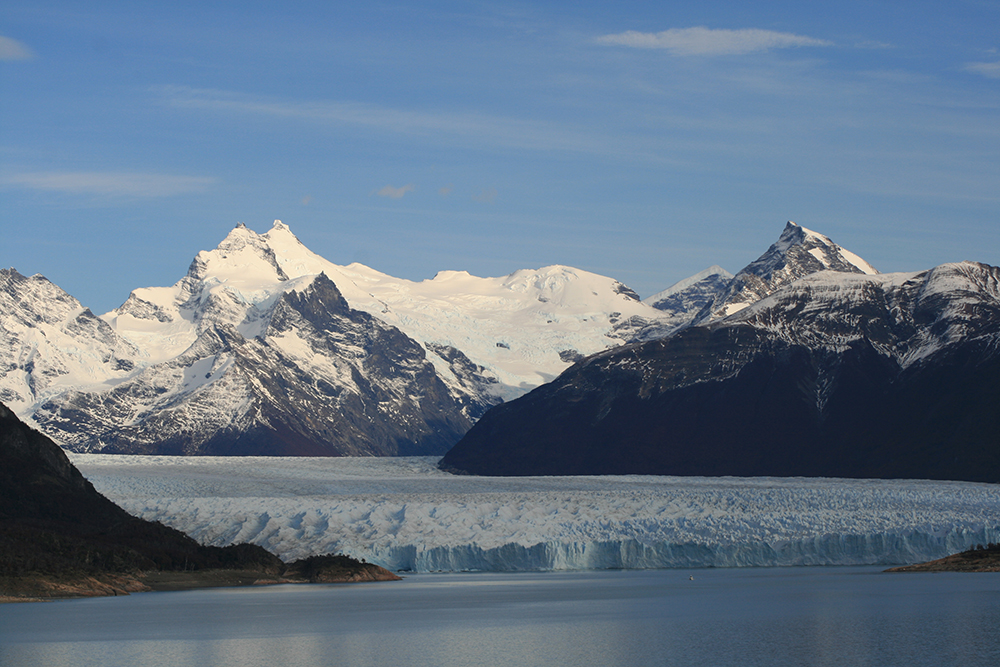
(404, 514)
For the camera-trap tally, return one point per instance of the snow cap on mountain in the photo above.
(48, 341)
(822, 248)
(703, 281)
(797, 253)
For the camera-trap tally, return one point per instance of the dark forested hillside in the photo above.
(59, 536)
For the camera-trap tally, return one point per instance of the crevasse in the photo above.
(404, 514)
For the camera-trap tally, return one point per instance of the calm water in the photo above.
(787, 616)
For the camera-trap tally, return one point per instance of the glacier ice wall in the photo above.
(404, 514)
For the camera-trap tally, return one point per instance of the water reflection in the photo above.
(816, 616)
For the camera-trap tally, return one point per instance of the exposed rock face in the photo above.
(264, 347)
(797, 253)
(837, 374)
(320, 379)
(692, 294)
(682, 302)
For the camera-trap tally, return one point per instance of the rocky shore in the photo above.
(330, 569)
(979, 559)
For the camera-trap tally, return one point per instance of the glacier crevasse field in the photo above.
(404, 514)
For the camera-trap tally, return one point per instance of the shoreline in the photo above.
(983, 560)
(973, 560)
(43, 589)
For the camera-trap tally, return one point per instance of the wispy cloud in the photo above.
(487, 196)
(701, 41)
(468, 129)
(116, 184)
(446, 190)
(11, 49)
(992, 70)
(395, 193)
(873, 44)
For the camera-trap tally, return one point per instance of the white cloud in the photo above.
(706, 42)
(992, 70)
(11, 49)
(120, 184)
(395, 193)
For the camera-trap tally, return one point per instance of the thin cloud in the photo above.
(466, 129)
(991, 70)
(11, 49)
(115, 184)
(446, 190)
(701, 41)
(395, 193)
(487, 196)
(872, 44)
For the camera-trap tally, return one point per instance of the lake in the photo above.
(746, 616)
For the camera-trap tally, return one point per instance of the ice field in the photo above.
(406, 515)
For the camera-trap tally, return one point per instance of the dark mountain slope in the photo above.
(891, 376)
(59, 536)
(55, 527)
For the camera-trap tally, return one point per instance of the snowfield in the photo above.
(404, 514)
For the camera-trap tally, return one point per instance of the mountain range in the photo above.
(836, 374)
(264, 347)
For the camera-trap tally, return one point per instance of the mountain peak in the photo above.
(243, 257)
(798, 252)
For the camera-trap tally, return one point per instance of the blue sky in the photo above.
(640, 140)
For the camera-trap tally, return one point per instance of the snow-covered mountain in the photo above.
(798, 252)
(317, 378)
(715, 293)
(691, 294)
(844, 374)
(48, 340)
(520, 328)
(265, 347)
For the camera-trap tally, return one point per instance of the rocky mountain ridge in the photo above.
(320, 379)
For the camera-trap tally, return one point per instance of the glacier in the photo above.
(405, 514)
